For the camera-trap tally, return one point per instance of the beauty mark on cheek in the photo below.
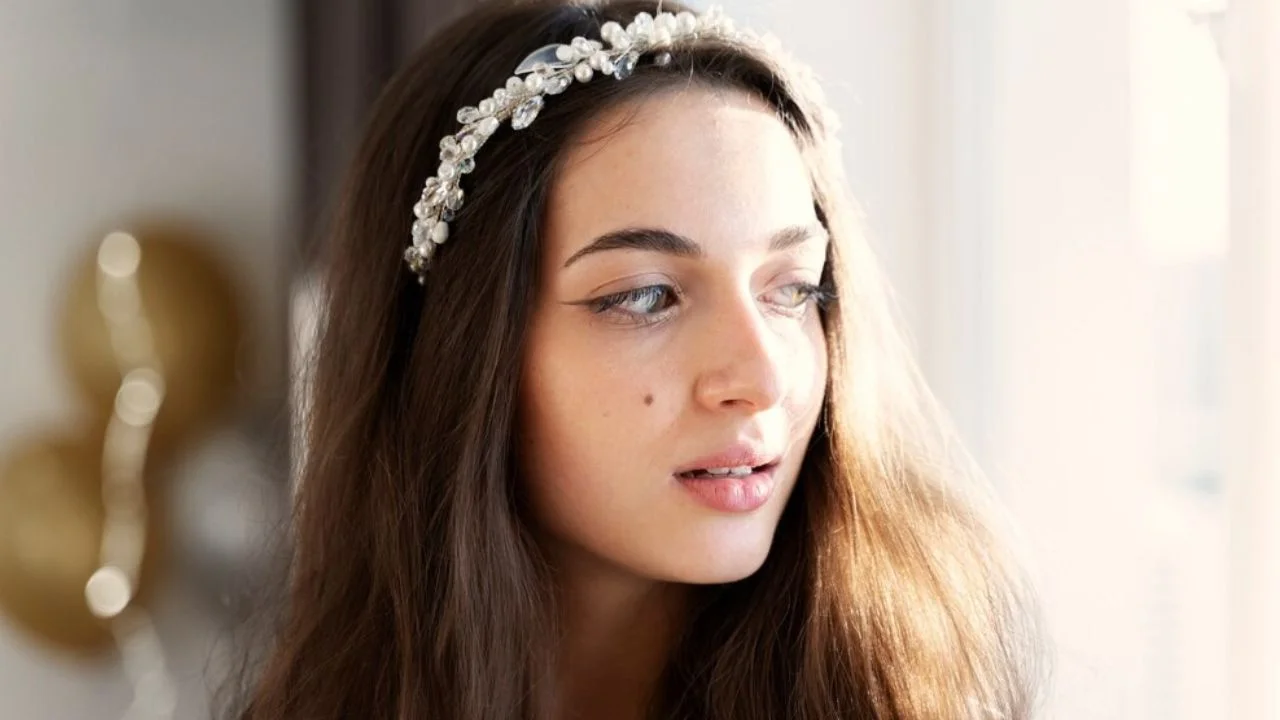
(648, 399)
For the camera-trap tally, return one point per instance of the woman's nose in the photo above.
(741, 358)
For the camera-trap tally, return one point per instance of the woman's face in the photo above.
(676, 364)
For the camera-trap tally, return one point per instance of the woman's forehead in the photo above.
(707, 164)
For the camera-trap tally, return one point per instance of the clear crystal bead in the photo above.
(447, 171)
(686, 23)
(469, 144)
(582, 47)
(455, 199)
(468, 115)
(447, 215)
(557, 84)
(422, 209)
(534, 83)
(515, 84)
(500, 96)
(565, 53)
(662, 59)
(466, 165)
(626, 65)
(526, 112)
(489, 125)
(487, 106)
(416, 261)
(419, 232)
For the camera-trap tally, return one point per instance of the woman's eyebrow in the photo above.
(670, 243)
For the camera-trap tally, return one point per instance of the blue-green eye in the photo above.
(640, 303)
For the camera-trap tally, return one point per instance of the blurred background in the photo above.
(1078, 202)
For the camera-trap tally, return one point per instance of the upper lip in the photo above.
(737, 455)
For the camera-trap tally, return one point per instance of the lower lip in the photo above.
(735, 494)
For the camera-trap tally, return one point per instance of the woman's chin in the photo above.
(719, 562)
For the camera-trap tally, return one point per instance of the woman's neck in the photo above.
(618, 633)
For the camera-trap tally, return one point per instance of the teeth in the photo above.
(741, 471)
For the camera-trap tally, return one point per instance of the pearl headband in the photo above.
(549, 70)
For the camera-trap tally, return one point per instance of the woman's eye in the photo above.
(641, 304)
(798, 296)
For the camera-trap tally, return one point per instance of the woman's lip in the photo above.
(741, 455)
(732, 493)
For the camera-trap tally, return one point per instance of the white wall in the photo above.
(107, 108)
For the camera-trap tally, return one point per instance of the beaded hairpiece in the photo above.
(549, 70)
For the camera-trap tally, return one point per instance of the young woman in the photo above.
(609, 417)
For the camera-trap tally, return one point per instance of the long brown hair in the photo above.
(417, 590)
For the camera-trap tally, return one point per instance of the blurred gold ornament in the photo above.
(155, 295)
(51, 536)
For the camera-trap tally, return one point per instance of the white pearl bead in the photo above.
(533, 83)
(564, 53)
(514, 84)
(440, 232)
(582, 72)
(686, 22)
(487, 106)
(621, 40)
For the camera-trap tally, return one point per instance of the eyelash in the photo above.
(819, 295)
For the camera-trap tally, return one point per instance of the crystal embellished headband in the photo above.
(549, 70)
